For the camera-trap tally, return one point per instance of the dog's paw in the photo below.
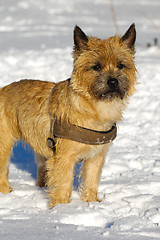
(40, 183)
(90, 196)
(90, 199)
(4, 188)
(55, 202)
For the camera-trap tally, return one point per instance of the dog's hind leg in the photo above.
(6, 145)
(41, 170)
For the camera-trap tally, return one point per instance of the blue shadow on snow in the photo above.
(23, 158)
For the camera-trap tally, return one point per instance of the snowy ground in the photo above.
(36, 42)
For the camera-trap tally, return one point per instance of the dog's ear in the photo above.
(80, 39)
(129, 37)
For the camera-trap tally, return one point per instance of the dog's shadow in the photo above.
(23, 158)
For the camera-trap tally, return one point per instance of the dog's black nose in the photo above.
(113, 83)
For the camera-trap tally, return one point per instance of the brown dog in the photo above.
(104, 76)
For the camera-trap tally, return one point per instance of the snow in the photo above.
(36, 42)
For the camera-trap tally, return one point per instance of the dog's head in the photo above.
(104, 69)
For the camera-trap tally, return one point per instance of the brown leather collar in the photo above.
(80, 134)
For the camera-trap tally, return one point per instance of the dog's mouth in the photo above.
(111, 95)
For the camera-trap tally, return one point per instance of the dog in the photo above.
(57, 120)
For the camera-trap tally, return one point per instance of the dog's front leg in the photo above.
(91, 176)
(60, 170)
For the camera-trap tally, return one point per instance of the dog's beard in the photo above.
(101, 90)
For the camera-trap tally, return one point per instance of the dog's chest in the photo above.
(91, 151)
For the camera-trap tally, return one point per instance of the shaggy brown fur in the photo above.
(103, 78)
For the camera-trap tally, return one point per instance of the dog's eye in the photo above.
(121, 66)
(97, 67)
